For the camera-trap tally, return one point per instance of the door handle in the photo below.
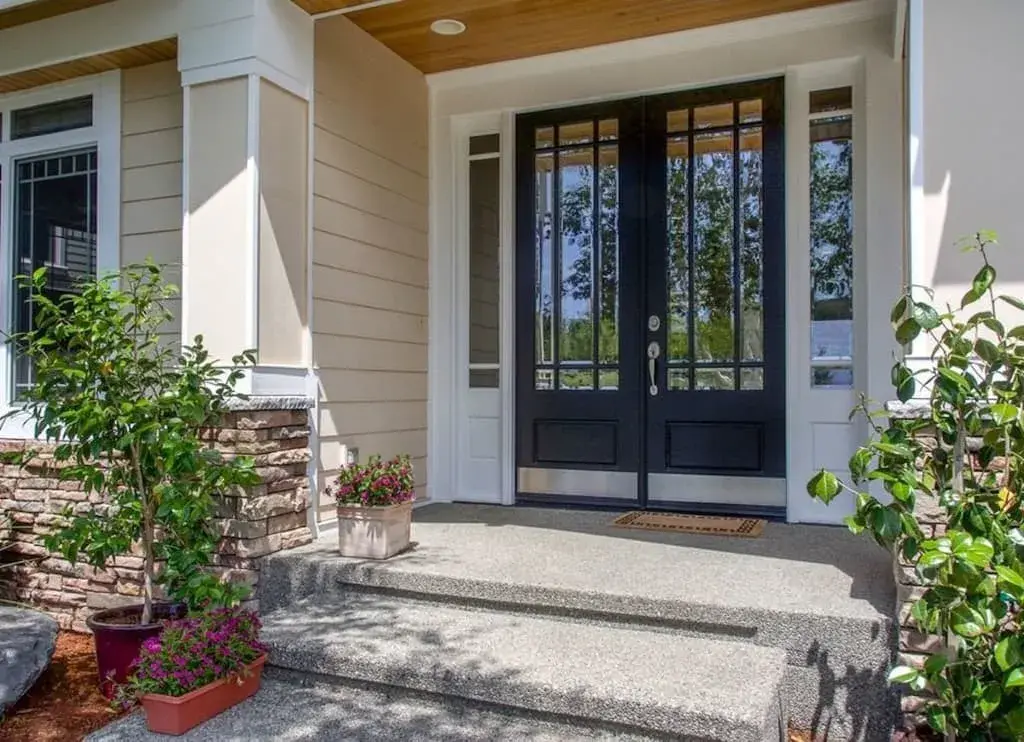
(653, 353)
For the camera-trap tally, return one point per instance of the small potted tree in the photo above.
(374, 507)
(126, 411)
(195, 669)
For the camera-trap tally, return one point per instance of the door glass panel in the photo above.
(608, 255)
(708, 117)
(750, 111)
(544, 307)
(678, 121)
(751, 245)
(544, 138)
(577, 262)
(580, 133)
(715, 379)
(608, 130)
(677, 245)
(576, 211)
(713, 247)
(752, 379)
(678, 379)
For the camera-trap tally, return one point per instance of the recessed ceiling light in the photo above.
(447, 27)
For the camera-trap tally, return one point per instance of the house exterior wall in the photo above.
(151, 162)
(370, 273)
(966, 165)
(284, 194)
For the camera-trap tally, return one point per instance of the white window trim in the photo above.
(105, 135)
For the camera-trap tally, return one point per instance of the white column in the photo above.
(246, 272)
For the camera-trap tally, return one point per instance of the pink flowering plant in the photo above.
(377, 483)
(193, 652)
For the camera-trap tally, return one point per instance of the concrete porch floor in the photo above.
(823, 571)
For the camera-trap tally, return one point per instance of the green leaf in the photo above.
(1015, 679)
(1007, 653)
(1010, 577)
(903, 675)
(899, 311)
(935, 664)
(1004, 414)
(926, 316)
(824, 486)
(1013, 301)
(990, 699)
(983, 279)
(967, 622)
(979, 553)
(932, 559)
(908, 330)
(904, 382)
(937, 719)
(986, 350)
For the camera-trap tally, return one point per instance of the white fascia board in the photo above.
(670, 43)
(108, 27)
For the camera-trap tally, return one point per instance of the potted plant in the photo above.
(126, 411)
(195, 669)
(374, 507)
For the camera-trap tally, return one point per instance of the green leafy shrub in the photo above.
(127, 409)
(966, 453)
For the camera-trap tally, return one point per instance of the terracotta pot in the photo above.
(373, 533)
(177, 714)
(118, 637)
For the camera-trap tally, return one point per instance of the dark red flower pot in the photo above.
(118, 635)
(176, 715)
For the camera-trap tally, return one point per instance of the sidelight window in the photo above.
(484, 260)
(576, 297)
(715, 247)
(831, 237)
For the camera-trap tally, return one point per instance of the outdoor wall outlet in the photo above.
(351, 456)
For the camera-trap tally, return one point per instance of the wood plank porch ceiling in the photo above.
(43, 9)
(500, 30)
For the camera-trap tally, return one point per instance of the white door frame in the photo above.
(487, 99)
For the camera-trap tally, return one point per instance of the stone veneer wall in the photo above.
(266, 519)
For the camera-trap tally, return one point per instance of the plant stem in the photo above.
(147, 539)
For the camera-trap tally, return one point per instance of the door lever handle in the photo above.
(653, 353)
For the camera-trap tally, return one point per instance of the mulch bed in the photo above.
(65, 704)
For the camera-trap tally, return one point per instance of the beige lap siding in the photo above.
(151, 157)
(369, 250)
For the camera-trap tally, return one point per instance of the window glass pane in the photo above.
(576, 216)
(55, 226)
(483, 378)
(582, 380)
(484, 144)
(545, 379)
(544, 138)
(678, 379)
(677, 259)
(608, 255)
(834, 99)
(544, 300)
(713, 204)
(831, 259)
(484, 283)
(50, 118)
(752, 379)
(608, 379)
(751, 248)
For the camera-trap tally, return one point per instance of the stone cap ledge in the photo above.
(257, 403)
(915, 409)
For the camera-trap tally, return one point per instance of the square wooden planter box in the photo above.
(176, 715)
(373, 533)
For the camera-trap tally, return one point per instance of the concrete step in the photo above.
(292, 707)
(589, 674)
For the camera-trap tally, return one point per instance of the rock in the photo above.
(27, 641)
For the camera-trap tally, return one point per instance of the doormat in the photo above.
(707, 524)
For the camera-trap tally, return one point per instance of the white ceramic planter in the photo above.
(373, 533)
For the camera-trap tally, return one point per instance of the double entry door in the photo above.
(650, 301)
